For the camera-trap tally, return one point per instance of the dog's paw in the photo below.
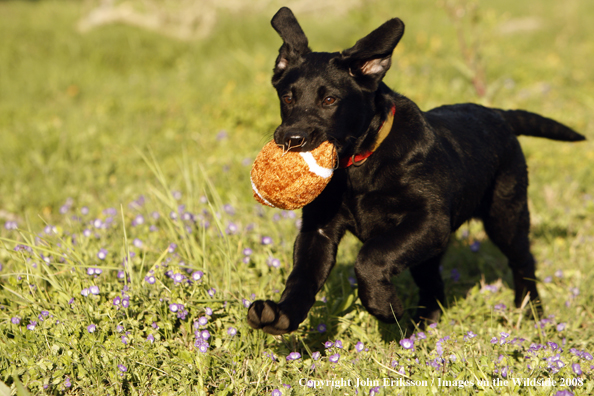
(267, 315)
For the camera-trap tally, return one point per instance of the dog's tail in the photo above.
(530, 124)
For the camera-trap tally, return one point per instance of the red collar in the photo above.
(359, 159)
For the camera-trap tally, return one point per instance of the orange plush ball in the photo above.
(290, 180)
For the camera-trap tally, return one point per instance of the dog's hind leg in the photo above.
(431, 290)
(507, 222)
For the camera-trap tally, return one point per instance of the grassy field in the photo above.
(130, 244)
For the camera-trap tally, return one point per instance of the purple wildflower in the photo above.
(122, 368)
(554, 346)
(576, 368)
(359, 347)
(125, 302)
(182, 312)
(407, 343)
(202, 321)
(138, 220)
(177, 277)
(203, 347)
(246, 303)
(205, 334)
(15, 320)
(247, 251)
(124, 340)
(276, 392)
(266, 240)
(212, 292)
(334, 358)
(85, 292)
(173, 308)
(338, 344)
(232, 331)
(231, 229)
(150, 338)
(150, 279)
(208, 311)
(438, 348)
(119, 328)
(102, 254)
(322, 328)
(11, 225)
(294, 356)
(91, 328)
(561, 327)
(94, 289)
(328, 344)
(475, 246)
(564, 393)
(316, 355)
(197, 275)
(31, 325)
(67, 383)
(273, 262)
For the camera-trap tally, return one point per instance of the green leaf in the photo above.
(21, 391)
(4, 390)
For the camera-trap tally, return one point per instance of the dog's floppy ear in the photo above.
(295, 43)
(370, 58)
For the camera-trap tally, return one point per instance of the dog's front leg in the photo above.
(413, 244)
(313, 257)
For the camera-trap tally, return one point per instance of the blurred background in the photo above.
(88, 87)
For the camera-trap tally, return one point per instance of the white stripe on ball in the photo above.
(314, 167)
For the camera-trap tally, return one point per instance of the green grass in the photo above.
(97, 120)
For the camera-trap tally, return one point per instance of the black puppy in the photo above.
(408, 178)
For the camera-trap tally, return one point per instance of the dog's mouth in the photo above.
(294, 143)
(298, 140)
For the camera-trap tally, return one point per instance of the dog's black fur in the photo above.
(433, 172)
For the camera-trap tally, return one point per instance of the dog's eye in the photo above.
(288, 99)
(328, 100)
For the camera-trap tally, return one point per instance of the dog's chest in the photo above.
(372, 214)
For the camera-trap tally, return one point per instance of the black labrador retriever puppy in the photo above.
(407, 179)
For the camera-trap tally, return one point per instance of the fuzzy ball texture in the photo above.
(291, 180)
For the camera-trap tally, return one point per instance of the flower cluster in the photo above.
(180, 310)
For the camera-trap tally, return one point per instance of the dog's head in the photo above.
(328, 96)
